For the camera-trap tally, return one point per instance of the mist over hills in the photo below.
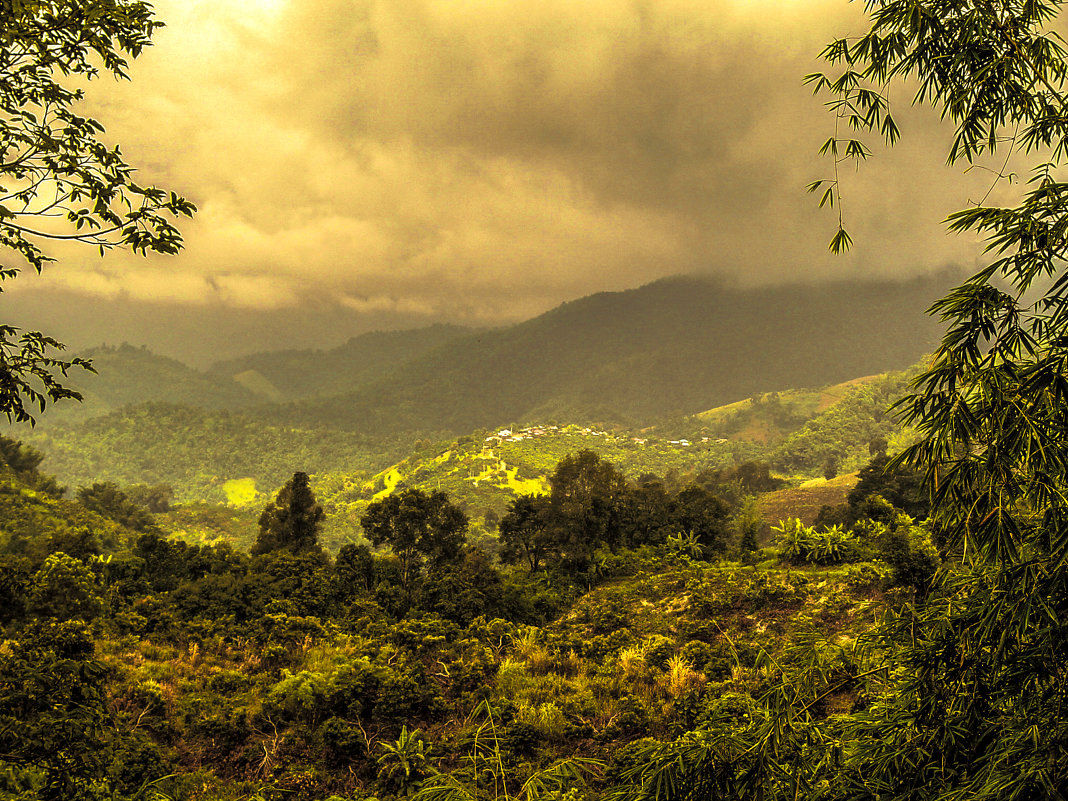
(677, 346)
(128, 375)
(635, 359)
(364, 359)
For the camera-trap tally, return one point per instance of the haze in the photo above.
(387, 164)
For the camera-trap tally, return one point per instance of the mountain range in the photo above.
(674, 347)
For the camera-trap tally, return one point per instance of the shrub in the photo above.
(342, 742)
(800, 544)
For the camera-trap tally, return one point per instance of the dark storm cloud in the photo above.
(485, 160)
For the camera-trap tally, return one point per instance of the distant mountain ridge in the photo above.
(294, 374)
(677, 346)
(128, 375)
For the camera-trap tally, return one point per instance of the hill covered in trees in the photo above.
(362, 361)
(675, 347)
(239, 459)
(199, 671)
(678, 346)
(629, 639)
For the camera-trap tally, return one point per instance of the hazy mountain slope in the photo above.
(129, 375)
(362, 360)
(198, 452)
(678, 346)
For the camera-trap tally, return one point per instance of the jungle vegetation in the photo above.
(640, 648)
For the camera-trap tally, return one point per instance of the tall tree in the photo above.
(292, 520)
(54, 166)
(585, 496)
(699, 513)
(645, 514)
(526, 531)
(419, 528)
(992, 409)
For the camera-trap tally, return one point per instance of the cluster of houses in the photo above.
(533, 432)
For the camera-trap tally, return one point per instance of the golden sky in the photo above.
(480, 161)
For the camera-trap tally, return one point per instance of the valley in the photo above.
(608, 588)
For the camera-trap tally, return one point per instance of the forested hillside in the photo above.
(201, 671)
(127, 375)
(678, 346)
(363, 360)
(720, 572)
(239, 459)
(198, 451)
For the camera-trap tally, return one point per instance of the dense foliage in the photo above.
(162, 669)
(960, 692)
(645, 648)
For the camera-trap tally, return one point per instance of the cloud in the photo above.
(483, 161)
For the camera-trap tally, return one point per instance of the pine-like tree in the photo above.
(292, 520)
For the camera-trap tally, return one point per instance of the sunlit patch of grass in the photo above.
(525, 486)
(512, 678)
(240, 491)
(390, 479)
(527, 649)
(632, 661)
(500, 475)
(547, 718)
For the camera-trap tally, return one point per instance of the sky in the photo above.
(363, 164)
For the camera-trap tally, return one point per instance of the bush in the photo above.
(343, 743)
(800, 544)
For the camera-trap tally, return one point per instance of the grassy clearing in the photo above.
(241, 492)
(831, 395)
(805, 502)
(390, 479)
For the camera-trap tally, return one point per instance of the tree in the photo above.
(156, 498)
(464, 590)
(53, 708)
(991, 408)
(24, 461)
(526, 531)
(106, 499)
(64, 588)
(292, 520)
(584, 498)
(898, 483)
(354, 569)
(20, 458)
(830, 467)
(699, 514)
(58, 180)
(645, 514)
(419, 529)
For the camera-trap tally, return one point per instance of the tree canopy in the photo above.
(419, 527)
(58, 179)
